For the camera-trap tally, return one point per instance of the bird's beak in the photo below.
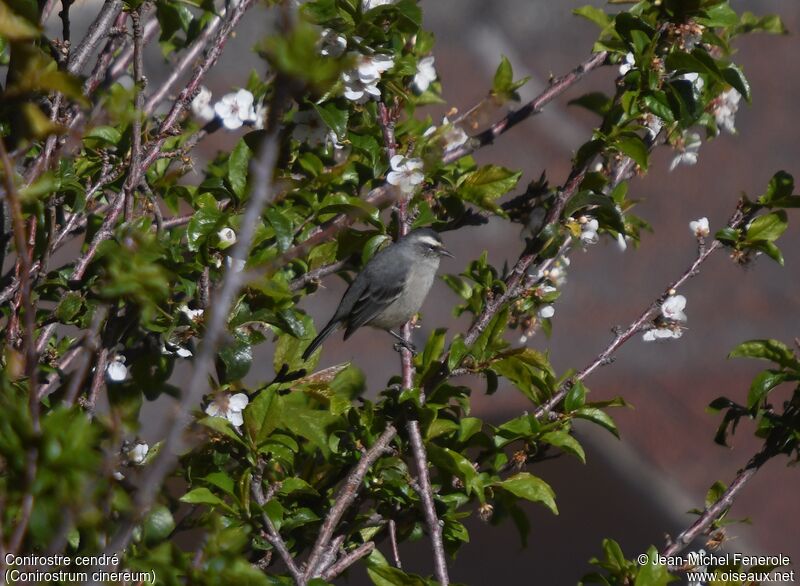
(445, 252)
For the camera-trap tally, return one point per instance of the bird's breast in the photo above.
(420, 279)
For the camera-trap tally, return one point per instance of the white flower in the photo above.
(175, 350)
(689, 151)
(672, 308)
(234, 264)
(543, 290)
(118, 475)
(725, 111)
(192, 314)
(201, 105)
(698, 83)
(370, 67)
(664, 333)
(589, 227)
(362, 82)
(627, 64)
(546, 311)
(406, 173)
(138, 453)
(557, 276)
(235, 109)
(227, 238)
(357, 91)
(451, 135)
(332, 44)
(370, 4)
(622, 242)
(309, 128)
(332, 139)
(228, 406)
(699, 227)
(116, 371)
(652, 125)
(426, 73)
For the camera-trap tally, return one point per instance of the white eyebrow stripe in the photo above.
(430, 241)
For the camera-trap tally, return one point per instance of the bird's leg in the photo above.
(403, 343)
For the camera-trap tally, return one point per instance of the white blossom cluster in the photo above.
(234, 109)
(669, 323)
(361, 83)
(406, 173)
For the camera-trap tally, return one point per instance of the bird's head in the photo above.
(426, 242)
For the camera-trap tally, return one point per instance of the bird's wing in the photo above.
(372, 301)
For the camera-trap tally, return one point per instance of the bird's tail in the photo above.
(326, 331)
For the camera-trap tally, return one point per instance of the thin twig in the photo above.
(393, 542)
(557, 87)
(24, 254)
(185, 63)
(348, 560)
(315, 275)
(723, 503)
(97, 31)
(345, 497)
(273, 536)
(136, 139)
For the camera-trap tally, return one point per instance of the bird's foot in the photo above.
(403, 345)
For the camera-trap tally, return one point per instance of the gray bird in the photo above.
(390, 288)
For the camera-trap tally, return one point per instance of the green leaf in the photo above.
(593, 14)
(565, 441)
(635, 148)
(599, 417)
(780, 189)
(529, 487)
(734, 76)
(201, 496)
(468, 426)
(504, 86)
(205, 221)
(698, 61)
(596, 102)
(457, 465)
(721, 15)
(576, 397)
(771, 350)
(263, 415)
(68, 307)
(237, 358)
(652, 573)
(14, 27)
(222, 481)
(336, 118)
(484, 186)
(768, 227)
(762, 384)
(770, 23)
(312, 424)
(238, 164)
(158, 525)
(283, 228)
(382, 574)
